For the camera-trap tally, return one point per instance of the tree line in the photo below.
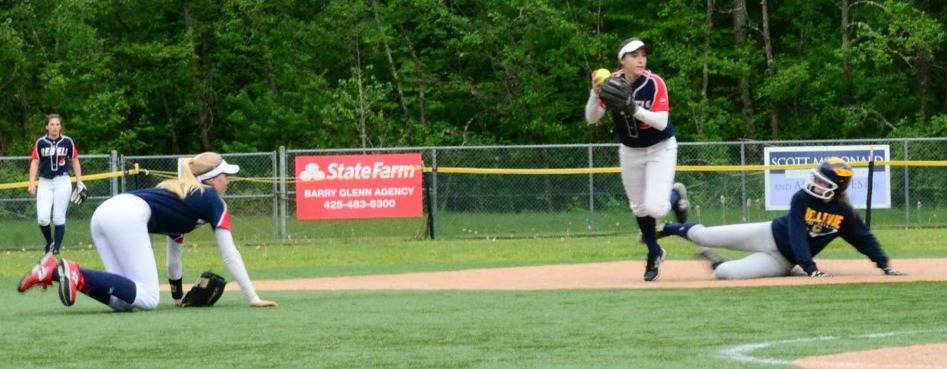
(166, 76)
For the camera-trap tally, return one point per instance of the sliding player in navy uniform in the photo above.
(639, 105)
(818, 213)
(50, 155)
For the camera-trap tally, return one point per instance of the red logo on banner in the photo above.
(359, 186)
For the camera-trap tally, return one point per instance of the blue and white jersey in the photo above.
(173, 216)
(812, 223)
(53, 155)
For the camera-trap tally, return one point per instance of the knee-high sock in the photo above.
(649, 236)
(675, 198)
(678, 229)
(47, 234)
(60, 232)
(101, 286)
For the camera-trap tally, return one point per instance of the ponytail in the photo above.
(186, 181)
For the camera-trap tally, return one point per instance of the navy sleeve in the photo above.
(214, 210)
(857, 234)
(799, 235)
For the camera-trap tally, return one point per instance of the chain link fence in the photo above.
(252, 197)
(263, 205)
(18, 208)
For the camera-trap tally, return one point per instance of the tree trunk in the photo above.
(770, 69)
(739, 27)
(422, 82)
(923, 70)
(362, 125)
(847, 97)
(175, 143)
(705, 82)
(394, 70)
(202, 81)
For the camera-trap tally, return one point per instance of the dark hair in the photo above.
(646, 47)
(50, 117)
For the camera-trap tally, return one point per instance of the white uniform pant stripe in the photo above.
(52, 200)
(765, 259)
(120, 232)
(647, 174)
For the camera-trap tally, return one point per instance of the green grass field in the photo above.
(466, 329)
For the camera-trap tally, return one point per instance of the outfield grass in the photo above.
(20, 231)
(317, 258)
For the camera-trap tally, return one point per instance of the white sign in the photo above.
(782, 184)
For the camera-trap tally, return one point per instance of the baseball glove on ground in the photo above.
(618, 96)
(206, 291)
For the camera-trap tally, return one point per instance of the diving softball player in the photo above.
(818, 213)
(121, 228)
(638, 102)
(50, 154)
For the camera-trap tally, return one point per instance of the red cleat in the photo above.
(41, 274)
(70, 281)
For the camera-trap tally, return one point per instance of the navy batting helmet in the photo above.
(829, 179)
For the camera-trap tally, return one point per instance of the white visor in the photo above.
(223, 167)
(631, 47)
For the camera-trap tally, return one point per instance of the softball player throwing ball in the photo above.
(50, 154)
(638, 102)
(818, 213)
(121, 228)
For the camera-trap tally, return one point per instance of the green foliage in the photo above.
(249, 75)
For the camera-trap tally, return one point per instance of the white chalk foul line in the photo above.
(743, 353)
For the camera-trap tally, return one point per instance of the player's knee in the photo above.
(695, 234)
(43, 221)
(727, 271)
(148, 301)
(656, 209)
(57, 220)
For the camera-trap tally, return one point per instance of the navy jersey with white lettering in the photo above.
(650, 93)
(173, 216)
(53, 155)
(812, 223)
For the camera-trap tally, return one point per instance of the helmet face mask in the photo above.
(819, 186)
(829, 179)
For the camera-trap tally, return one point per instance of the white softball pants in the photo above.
(756, 238)
(52, 200)
(648, 174)
(120, 232)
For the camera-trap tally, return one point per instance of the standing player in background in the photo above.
(638, 102)
(121, 228)
(50, 154)
(818, 213)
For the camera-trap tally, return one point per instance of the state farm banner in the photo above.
(359, 186)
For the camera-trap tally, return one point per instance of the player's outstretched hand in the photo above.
(264, 303)
(891, 271)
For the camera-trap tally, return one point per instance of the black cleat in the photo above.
(652, 270)
(714, 258)
(659, 231)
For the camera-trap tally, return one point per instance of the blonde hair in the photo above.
(188, 170)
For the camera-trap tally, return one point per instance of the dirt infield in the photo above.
(932, 356)
(621, 274)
